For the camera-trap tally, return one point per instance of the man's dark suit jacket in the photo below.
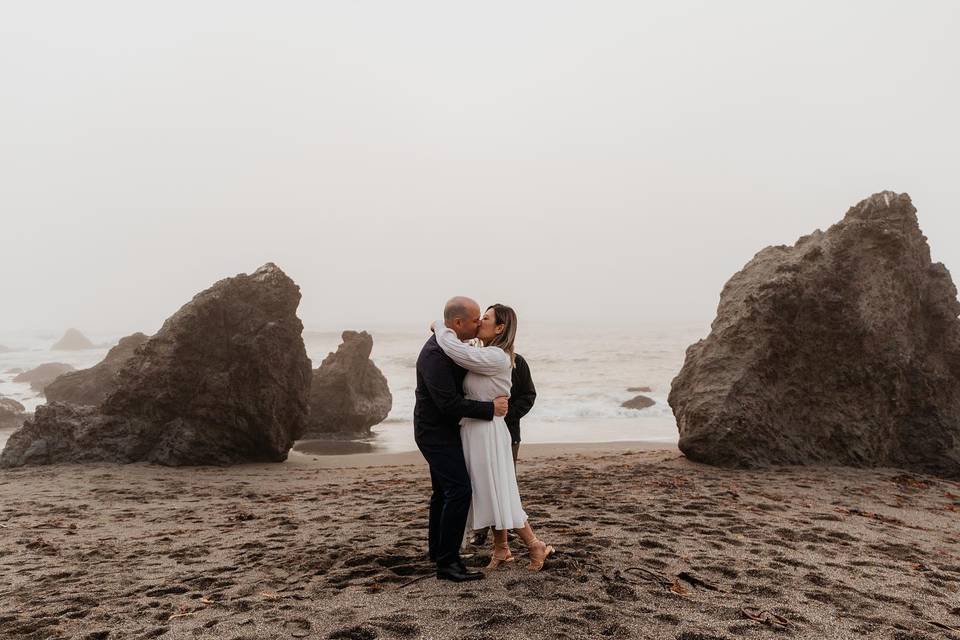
(440, 402)
(522, 396)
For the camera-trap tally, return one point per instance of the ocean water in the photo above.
(581, 375)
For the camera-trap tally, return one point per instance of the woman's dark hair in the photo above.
(504, 315)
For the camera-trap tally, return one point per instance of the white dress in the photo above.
(486, 443)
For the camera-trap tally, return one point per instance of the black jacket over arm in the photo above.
(440, 402)
(522, 396)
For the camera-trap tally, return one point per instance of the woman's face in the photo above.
(489, 329)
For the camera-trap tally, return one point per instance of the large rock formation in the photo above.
(225, 380)
(843, 349)
(92, 386)
(348, 394)
(12, 413)
(73, 340)
(39, 377)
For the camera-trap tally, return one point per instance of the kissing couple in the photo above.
(462, 397)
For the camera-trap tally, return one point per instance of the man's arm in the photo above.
(443, 389)
(523, 394)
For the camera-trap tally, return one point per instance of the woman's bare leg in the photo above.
(501, 549)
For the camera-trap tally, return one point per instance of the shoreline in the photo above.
(528, 452)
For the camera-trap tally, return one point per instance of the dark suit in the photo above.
(436, 428)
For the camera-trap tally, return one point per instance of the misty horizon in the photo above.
(603, 167)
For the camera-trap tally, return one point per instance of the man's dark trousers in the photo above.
(449, 503)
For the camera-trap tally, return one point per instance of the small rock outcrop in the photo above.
(843, 349)
(639, 389)
(73, 340)
(348, 394)
(639, 402)
(225, 380)
(12, 413)
(92, 386)
(39, 377)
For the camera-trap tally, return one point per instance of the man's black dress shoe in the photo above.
(458, 573)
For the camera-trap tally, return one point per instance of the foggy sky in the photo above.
(596, 163)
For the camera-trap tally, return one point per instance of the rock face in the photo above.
(348, 394)
(225, 380)
(12, 413)
(41, 376)
(639, 402)
(73, 340)
(843, 349)
(92, 386)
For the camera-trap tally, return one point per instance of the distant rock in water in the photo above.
(348, 394)
(639, 389)
(4, 349)
(225, 380)
(92, 386)
(12, 413)
(843, 349)
(73, 340)
(640, 402)
(39, 377)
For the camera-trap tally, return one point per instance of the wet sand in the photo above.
(649, 545)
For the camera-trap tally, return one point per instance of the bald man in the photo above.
(436, 423)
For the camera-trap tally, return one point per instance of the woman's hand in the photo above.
(432, 324)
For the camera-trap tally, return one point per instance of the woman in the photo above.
(486, 443)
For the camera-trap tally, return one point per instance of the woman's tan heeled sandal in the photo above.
(501, 555)
(537, 557)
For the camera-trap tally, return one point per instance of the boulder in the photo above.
(73, 340)
(12, 413)
(348, 394)
(639, 402)
(225, 380)
(39, 377)
(843, 349)
(92, 386)
(60, 432)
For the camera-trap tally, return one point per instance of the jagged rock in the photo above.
(73, 340)
(843, 349)
(225, 380)
(348, 394)
(639, 402)
(639, 389)
(72, 433)
(12, 413)
(39, 377)
(92, 386)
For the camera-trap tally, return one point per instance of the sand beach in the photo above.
(649, 545)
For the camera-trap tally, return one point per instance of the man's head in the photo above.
(463, 316)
